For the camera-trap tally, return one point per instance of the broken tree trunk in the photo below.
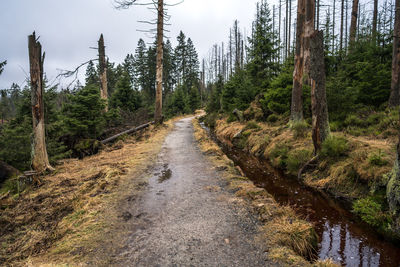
(103, 71)
(40, 160)
(130, 131)
(296, 113)
(319, 107)
(353, 24)
(394, 99)
(159, 75)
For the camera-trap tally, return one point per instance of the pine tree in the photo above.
(125, 97)
(169, 68)
(180, 58)
(191, 77)
(262, 50)
(82, 116)
(140, 67)
(92, 78)
(2, 64)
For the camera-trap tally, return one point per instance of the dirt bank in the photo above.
(355, 169)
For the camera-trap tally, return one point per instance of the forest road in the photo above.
(186, 216)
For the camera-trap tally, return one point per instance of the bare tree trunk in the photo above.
(341, 27)
(318, 8)
(103, 71)
(333, 27)
(353, 24)
(279, 30)
(375, 21)
(394, 99)
(296, 113)
(290, 25)
(40, 160)
(158, 118)
(393, 186)
(308, 31)
(319, 107)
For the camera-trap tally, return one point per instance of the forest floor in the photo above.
(158, 199)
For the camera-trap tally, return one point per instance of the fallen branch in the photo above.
(133, 130)
(311, 161)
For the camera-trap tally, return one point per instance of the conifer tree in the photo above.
(125, 97)
(262, 48)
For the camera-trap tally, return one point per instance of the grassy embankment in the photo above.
(355, 163)
(290, 240)
(75, 213)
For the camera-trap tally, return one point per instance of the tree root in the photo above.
(305, 166)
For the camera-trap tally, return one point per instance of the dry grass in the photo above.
(288, 238)
(340, 176)
(72, 211)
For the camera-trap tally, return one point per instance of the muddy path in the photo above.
(187, 216)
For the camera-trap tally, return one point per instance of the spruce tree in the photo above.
(262, 49)
(125, 97)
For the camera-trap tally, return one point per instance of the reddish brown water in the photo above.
(342, 238)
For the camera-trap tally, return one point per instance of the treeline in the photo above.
(76, 118)
(358, 74)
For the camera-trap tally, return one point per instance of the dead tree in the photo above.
(393, 186)
(161, 16)
(375, 21)
(319, 107)
(394, 99)
(296, 113)
(158, 118)
(341, 27)
(103, 71)
(40, 159)
(353, 24)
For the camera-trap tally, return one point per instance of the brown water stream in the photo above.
(342, 238)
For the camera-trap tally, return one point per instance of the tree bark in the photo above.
(375, 21)
(394, 99)
(353, 24)
(319, 107)
(40, 160)
(341, 27)
(296, 113)
(159, 75)
(103, 71)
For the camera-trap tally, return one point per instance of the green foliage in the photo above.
(238, 92)
(278, 95)
(231, 118)
(125, 97)
(334, 147)
(279, 155)
(176, 103)
(252, 125)
(83, 115)
(296, 159)
(378, 159)
(272, 118)
(263, 47)
(211, 119)
(17, 135)
(371, 212)
(2, 64)
(214, 102)
(299, 129)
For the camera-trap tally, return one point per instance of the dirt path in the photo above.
(186, 218)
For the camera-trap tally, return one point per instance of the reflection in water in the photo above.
(338, 244)
(341, 238)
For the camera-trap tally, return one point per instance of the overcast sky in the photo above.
(67, 28)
